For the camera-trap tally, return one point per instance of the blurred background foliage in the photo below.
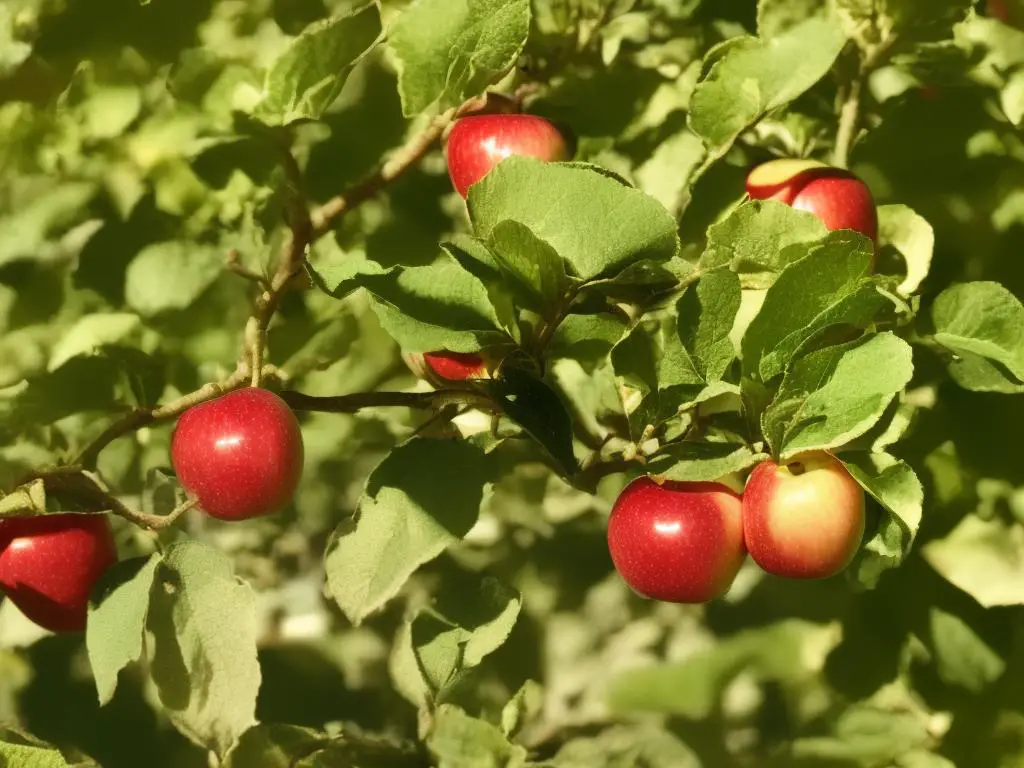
(125, 179)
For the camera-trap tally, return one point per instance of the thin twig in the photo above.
(359, 400)
(235, 265)
(871, 58)
(401, 161)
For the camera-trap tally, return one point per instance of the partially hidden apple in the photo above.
(676, 541)
(49, 565)
(240, 455)
(447, 366)
(804, 518)
(837, 197)
(477, 143)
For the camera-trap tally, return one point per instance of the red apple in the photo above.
(479, 142)
(456, 366)
(675, 541)
(240, 455)
(837, 197)
(998, 9)
(803, 519)
(49, 565)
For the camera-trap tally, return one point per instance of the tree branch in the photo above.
(871, 58)
(402, 160)
(359, 400)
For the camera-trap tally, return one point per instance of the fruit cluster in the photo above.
(685, 542)
(241, 455)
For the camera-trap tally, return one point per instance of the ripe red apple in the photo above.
(836, 196)
(678, 542)
(803, 519)
(998, 9)
(456, 366)
(49, 565)
(240, 455)
(479, 142)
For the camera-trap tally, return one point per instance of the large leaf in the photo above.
(595, 222)
(170, 275)
(203, 659)
(422, 498)
(753, 77)
(460, 741)
(705, 316)
(450, 50)
(304, 80)
(984, 558)
(117, 620)
(836, 394)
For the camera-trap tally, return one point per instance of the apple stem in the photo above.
(796, 467)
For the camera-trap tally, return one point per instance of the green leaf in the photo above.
(962, 656)
(460, 741)
(117, 620)
(12, 50)
(774, 17)
(596, 223)
(706, 315)
(29, 499)
(274, 745)
(625, 746)
(694, 687)
(913, 237)
(829, 287)
(449, 50)
(532, 262)
(440, 306)
(203, 658)
(759, 238)
(306, 79)
(27, 756)
(91, 332)
(170, 275)
(535, 407)
(46, 211)
(893, 484)
(982, 320)
(698, 462)
(756, 76)
(422, 498)
(525, 705)
(80, 385)
(461, 630)
(867, 735)
(836, 394)
(908, 21)
(984, 558)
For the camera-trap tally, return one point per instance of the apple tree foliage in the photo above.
(179, 176)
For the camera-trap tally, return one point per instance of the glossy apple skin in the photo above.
(677, 542)
(837, 197)
(455, 366)
(803, 519)
(479, 142)
(49, 565)
(240, 455)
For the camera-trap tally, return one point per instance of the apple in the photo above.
(477, 143)
(998, 9)
(239, 455)
(676, 541)
(837, 197)
(804, 518)
(49, 565)
(456, 366)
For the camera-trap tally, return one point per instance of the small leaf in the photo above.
(753, 77)
(595, 222)
(203, 657)
(306, 79)
(460, 741)
(626, 746)
(170, 275)
(984, 558)
(423, 497)
(117, 620)
(535, 407)
(836, 394)
(449, 50)
(759, 238)
(706, 315)
(701, 462)
(28, 499)
(913, 237)
(274, 745)
(962, 657)
(893, 483)
(532, 262)
(982, 320)
(525, 705)
(829, 287)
